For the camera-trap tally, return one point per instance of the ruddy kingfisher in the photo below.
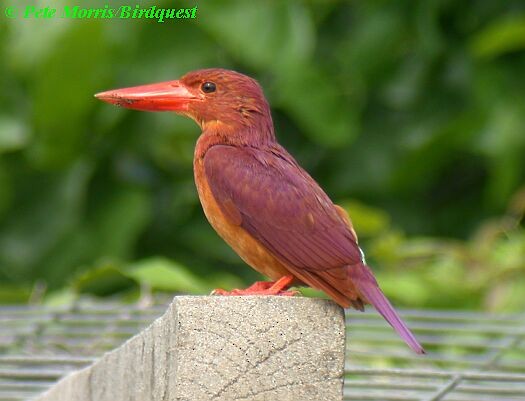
(257, 197)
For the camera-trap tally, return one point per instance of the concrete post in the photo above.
(222, 348)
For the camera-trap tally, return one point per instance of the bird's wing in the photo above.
(281, 206)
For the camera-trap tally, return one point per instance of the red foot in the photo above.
(263, 288)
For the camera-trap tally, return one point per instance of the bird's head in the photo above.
(212, 97)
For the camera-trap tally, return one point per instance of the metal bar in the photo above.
(25, 385)
(430, 387)
(447, 388)
(464, 328)
(387, 338)
(435, 373)
(15, 394)
(389, 385)
(436, 314)
(41, 360)
(33, 373)
(466, 388)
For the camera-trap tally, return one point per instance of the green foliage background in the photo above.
(410, 114)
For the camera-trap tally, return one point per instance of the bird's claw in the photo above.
(263, 288)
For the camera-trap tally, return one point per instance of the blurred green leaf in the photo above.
(102, 280)
(68, 77)
(118, 220)
(367, 220)
(501, 36)
(66, 296)
(33, 227)
(27, 45)
(406, 288)
(13, 294)
(6, 191)
(13, 134)
(507, 295)
(508, 253)
(167, 275)
(326, 117)
(285, 39)
(225, 281)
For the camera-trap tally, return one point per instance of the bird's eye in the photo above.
(208, 87)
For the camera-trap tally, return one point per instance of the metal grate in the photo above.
(471, 356)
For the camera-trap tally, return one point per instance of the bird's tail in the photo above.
(368, 288)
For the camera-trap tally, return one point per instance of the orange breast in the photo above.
(247, 247)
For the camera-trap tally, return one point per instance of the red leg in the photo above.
(259, 286)
(263, 288)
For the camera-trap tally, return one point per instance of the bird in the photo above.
(258, 198)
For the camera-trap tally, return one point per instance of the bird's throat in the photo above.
(218, 133)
